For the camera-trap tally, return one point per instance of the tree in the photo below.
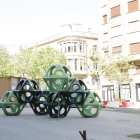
(6, 63)
(23, 62)
(115, 68)
(120, 70)
(33, 63)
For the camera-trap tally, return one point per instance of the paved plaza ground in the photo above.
(109, 125)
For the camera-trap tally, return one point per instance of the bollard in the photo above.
(84, 136)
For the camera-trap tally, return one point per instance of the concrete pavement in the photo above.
(109, 125)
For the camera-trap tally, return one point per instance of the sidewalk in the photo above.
(115, 105)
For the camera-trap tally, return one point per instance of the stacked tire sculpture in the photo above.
(61, 92)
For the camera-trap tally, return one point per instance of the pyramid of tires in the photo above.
(62, 92)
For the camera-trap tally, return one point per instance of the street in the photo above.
(109, 125)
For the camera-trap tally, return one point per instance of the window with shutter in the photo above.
(105, 19)
(106, 53)
(134, 48)
(115, 11)
(138, 69)
(133, 6)
(117, 49)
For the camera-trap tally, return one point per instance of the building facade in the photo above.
(118, 32)
(75, 41)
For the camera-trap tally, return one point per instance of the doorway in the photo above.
(138, 92)
(126, 92)
(108, 93)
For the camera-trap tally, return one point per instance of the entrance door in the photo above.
(126, 92)
(138, 92)
(108, 93)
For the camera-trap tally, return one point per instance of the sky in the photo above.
(27, 21)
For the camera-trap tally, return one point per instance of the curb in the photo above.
(122, 108)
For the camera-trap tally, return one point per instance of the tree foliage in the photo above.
(116, 68)
(6, 63)
(119, 69)
(33, 63)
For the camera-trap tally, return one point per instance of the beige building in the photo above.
(75, 41)
(119, 32)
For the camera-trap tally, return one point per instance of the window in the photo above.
(134, 48)
(133, 26)
(115, 11)
(75, 64)
(75, 46)
(108, 93)
(133, 6)
(138, 69)
(115, 31)
(117, 49)
(105, 37)
(69, 48)
(125, 92)
(105, 19)
(80, 47)
(89, 30)
(94, 47)
(106, 53)
(65, 46)
(81, 64)
(93, 81)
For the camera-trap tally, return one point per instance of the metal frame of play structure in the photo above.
(62, 91)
